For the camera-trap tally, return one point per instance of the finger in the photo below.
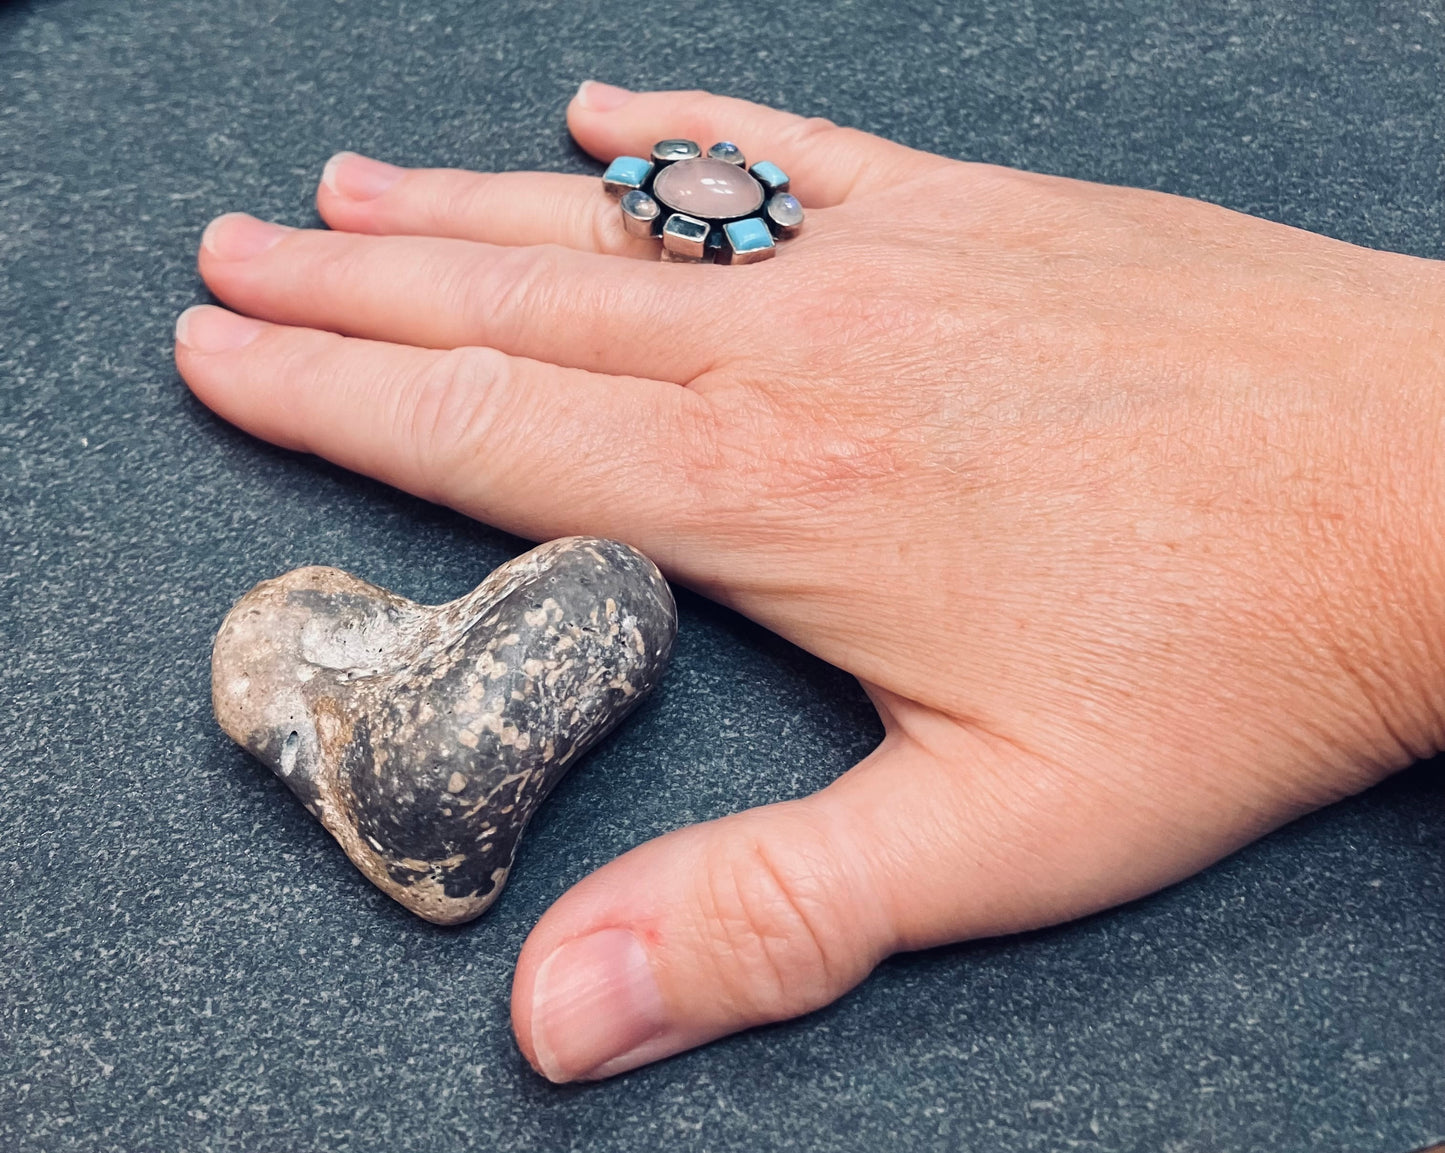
(827, 164)
(571, 308)
(538, 450)
(358, 194)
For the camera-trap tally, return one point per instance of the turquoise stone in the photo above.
(773, 178)
(748, 235)
(626, 172)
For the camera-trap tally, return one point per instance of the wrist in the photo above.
(1399, 407)
(1426, 370)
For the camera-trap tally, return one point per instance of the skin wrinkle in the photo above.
(501, 283)
(982, 817)
(464, 200)
(608, 235)
(453, 413)
(773, 908)
(304, 365)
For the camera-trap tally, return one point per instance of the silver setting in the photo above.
(726, 255)
(668, 151)
(785, 215)
(685, 237)
(640, 213)
(728, 151)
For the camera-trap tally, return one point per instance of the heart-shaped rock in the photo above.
(424, 737)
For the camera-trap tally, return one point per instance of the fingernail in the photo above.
(594, 1003)
(359, 177)
(601, 97)
(205, 328)
(237, 236)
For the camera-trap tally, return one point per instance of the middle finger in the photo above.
(575, 309)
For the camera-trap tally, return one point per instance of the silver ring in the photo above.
(705, 206)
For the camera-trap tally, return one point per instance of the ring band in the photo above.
(708, 206)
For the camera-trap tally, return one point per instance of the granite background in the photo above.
(187, 962)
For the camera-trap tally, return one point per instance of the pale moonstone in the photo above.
(785, 211)
(639, 212)
(727, 150)
(710, 189)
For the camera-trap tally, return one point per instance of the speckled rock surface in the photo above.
(424, 737)
(189, 965)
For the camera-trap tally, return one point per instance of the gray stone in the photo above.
(424, 737)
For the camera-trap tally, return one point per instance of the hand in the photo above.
(1125, 509)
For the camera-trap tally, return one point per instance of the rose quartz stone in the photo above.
(710, 189)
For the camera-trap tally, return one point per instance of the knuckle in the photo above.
(602, 229)
(697, 99)
(723, 465)
(697, 443)
(806, 130)
(780, 947)
(452, 413)
(503, 286)
(335, 263)
(462, 199)
(306, 363)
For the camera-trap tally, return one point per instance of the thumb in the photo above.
(945, 832)
(757, 917)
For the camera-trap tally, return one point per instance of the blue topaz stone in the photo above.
(770, 176)
(669, 151)
(625, 173)
(685, 237)
(748, 241)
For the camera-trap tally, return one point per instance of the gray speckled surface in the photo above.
(187, 962)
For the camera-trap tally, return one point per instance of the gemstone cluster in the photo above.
(705, 206)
